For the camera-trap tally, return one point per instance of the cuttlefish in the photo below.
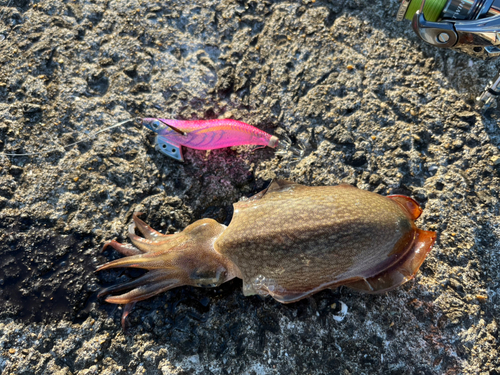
(288, 241)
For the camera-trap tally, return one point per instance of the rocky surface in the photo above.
(371, 105)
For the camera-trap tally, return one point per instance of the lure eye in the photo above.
(155, 124)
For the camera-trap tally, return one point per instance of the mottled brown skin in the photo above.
(288, 241)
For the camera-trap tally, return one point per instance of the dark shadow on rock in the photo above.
(44, 276)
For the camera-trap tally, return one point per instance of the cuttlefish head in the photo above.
(185, 258)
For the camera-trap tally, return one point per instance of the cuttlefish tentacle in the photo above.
(126, 311)
(144, 287)
(148, 243)
(146, 279)
(186, 258)
(150, 261)
(162, 284)
(152, 239)
(145, 245)
(148, 232)
(126, 249)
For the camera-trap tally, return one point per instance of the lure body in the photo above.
(205, 135)
(288, 241)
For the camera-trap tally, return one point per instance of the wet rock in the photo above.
(31, 108)
(131, 70)
(98, 81)
(140, 87)
(370, 105)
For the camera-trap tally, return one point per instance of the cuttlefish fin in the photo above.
(402, 271)
(280, 184)
(276, 185)
(409, 204)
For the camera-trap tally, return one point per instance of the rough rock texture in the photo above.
(371, 105)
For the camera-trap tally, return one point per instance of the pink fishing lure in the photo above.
(205, 135)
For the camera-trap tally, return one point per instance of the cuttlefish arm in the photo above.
(186, 258)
